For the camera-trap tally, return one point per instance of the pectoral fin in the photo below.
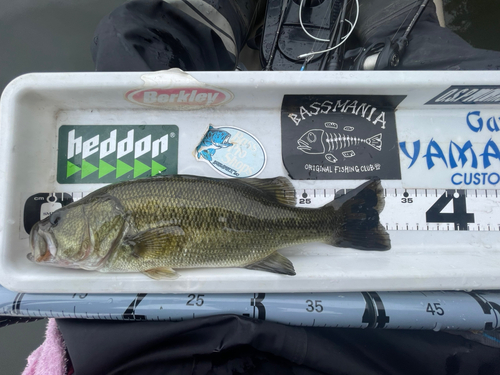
(156, 240)
(161, 273)
(276, 263)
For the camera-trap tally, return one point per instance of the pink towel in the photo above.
(50, 357)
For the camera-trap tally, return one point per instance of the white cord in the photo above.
(352, 27)
(338, 45)
(302, 25)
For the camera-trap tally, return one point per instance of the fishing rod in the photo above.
(388, 54)
(336, 31)
(284, 10)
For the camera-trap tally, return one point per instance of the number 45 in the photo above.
(436, 310)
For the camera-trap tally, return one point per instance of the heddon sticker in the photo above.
(89, 154)
(177, 90)
(461, 150)
(329, 137)
(231, 152)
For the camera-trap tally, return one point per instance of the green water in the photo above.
(476, 21)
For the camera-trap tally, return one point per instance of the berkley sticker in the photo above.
(180, 98)
(231, 152)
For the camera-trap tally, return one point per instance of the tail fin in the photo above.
(357, 218)
(375, 141)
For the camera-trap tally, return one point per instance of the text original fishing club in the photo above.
(364, 110)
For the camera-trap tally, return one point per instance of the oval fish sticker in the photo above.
(231, 152)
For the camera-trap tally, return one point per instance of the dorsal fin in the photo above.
(277, 188)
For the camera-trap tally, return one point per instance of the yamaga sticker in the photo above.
(231, 152)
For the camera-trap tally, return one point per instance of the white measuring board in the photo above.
(441, 191)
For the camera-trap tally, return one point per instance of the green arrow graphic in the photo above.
(122, 168)
(87, 168)
(105, 168)
(140, 168)
(71, 169)
(156, 168)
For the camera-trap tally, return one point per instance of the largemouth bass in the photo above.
(159, 224)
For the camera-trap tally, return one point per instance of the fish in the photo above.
(213, 140)
(313, 141)
(160, 224)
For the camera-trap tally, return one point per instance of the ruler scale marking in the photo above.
(446, 310)
(396, 216)
(407, 209)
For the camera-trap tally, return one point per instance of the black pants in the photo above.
(145, 35)
(229, 344)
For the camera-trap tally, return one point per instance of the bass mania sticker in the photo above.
(330, 137)
(101, 153)
(231, 152)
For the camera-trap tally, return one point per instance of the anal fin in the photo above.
(161, 273)
(275, 263)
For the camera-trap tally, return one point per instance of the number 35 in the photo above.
(316, 307)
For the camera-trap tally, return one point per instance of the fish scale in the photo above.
(218, 199)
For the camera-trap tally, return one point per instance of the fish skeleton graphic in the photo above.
(213, 140)
(313, 141)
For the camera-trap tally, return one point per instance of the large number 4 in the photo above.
(460, 218)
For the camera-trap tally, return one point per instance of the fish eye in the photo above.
(55, 218)
(311, 137)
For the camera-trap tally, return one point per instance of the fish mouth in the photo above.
(42, 244)
(303, 145)
(225, 141)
